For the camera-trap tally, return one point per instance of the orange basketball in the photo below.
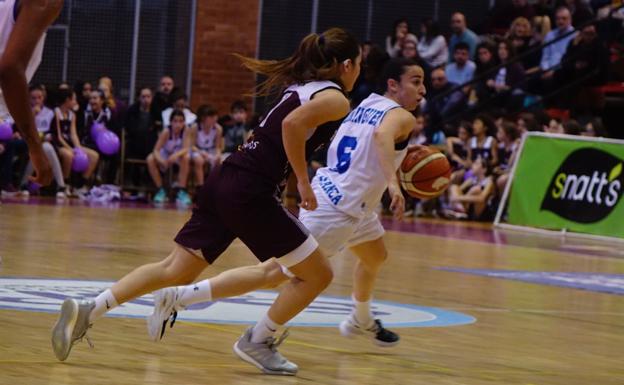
(425, 172)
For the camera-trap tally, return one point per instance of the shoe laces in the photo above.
(274, 344)
(172, 319)
(84, 336)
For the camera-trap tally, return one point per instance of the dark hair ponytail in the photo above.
(318, 57)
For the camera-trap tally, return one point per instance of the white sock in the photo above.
(362, 312)
(264, 329)
(195, 293)
(104, 303)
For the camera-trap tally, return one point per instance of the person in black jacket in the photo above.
(509, 82)
(585, 65)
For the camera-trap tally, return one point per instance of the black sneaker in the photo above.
(381, 336)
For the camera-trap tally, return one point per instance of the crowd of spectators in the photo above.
(527, 67)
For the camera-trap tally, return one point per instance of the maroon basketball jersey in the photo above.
(264, 152)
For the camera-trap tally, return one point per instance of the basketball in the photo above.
(425, 172)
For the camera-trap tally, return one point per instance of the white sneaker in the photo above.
(165, 301)
(60, 194)
(381, 336)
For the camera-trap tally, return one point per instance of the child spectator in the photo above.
(172, 148)
(208, 141)
(237, 131)
(471, 199)
(483, 144)
(65, 137)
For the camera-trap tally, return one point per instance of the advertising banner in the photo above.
(570, 183)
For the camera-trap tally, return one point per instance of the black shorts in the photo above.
(235, 203)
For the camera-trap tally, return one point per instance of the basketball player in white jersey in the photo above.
(22, 32)
(362, 162)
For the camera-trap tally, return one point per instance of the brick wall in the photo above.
(223, 27)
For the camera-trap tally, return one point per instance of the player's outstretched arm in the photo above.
(33, 19)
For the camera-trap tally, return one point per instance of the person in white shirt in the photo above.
(432, 46)
(462, 69)
(180, 102)
(552, 54)
(401, 35)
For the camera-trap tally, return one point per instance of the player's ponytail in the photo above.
(318, 57)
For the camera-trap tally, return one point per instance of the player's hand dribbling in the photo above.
(308, 199)
(397, 205)
(43, 171)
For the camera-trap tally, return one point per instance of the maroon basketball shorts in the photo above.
(235, 203)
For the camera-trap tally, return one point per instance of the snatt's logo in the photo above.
(586, 187)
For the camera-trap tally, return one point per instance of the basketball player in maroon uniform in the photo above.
(239, 200)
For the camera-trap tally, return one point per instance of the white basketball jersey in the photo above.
(7, 21)
(353, 180)
(207, 141)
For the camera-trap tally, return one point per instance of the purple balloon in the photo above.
(81, 161)
(96, 129)
(107, 142)
(6, 131)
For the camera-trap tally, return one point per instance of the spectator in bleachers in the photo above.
(462, 69)
(180, 102)
(553, 53)
(44, 117)
(370, 67)
(162, 100)
(508, 85)
(508, 137)
(504, 12)
(65, 138)
(540, 26)
(83, 92)
(432, 45)
(580, 11)
(554, 126)
(521, 36)
(172, 148)
(483, 144)
(457, 150)
(487, 59)
(96, 112)
(461, 34)
(527, 122)
(207, 141)
(585, 65)
(594, 128)
(410, 51)
(442, 101)
(472, 197)
(141, 134)
(418, 136)
(237, 131)
(400, 35)
(572, 127)
(117, 107)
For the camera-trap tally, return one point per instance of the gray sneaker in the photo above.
(265, 355)
(71, 326)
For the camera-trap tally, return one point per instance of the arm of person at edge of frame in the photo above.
(395, 127)
(326, 106)
(33, 19)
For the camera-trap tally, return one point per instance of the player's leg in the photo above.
(361, 322)
(229, 283)
(180, 267)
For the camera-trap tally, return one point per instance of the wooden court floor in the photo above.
(524, 333)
